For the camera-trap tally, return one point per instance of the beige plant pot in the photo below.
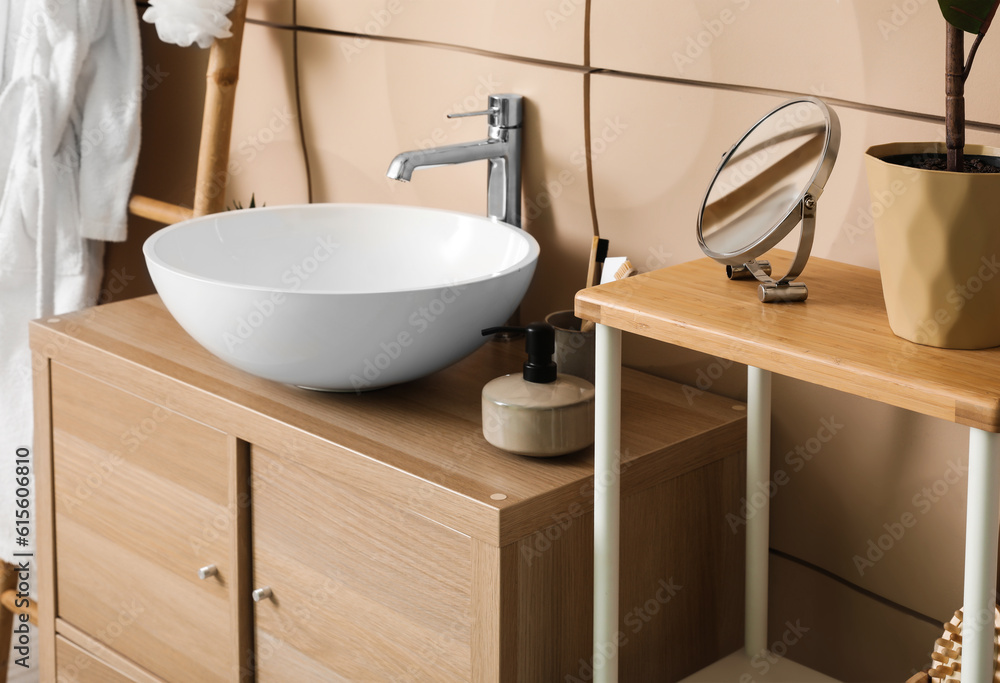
(938, 236)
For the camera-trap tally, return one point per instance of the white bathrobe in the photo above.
(70, 92)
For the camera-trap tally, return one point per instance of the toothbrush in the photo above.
(616, 268)
(625, 270)
(622, 268)
(598, 253)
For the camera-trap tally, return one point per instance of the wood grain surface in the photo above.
(396, 541)
(75, 664)
(422, 442)
(141, 504)
(838, 338)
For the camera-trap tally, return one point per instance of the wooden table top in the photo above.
(838, 338)
(423, 439)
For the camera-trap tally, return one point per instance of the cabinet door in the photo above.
(360, 590)
(141, 504)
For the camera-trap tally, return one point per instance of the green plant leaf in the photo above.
(238, 205)
(972, 16)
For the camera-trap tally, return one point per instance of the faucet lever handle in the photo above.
(464, 114)
(505, 111)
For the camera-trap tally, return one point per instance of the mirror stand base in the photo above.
(773, 292)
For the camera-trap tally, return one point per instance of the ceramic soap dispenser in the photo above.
(538, 412)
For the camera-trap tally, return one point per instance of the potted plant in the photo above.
(937, 217)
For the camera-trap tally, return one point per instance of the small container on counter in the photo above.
(574, 347)
(538, 412)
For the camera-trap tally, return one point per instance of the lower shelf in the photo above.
(736, 667)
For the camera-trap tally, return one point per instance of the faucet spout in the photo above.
(502, 149)
(405, 163)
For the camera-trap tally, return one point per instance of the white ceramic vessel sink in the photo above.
(341, 297)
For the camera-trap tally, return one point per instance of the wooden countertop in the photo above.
(838, 338)
(423, 440)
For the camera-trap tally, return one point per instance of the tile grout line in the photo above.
(587, 68)
(822, 571)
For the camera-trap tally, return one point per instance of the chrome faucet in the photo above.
(502, 148)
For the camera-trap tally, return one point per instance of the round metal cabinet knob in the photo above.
(207, 571)
(261, 594)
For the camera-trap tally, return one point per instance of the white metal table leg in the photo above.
(758, 508)
(607, 486)
(982, 523)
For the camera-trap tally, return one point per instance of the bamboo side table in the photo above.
(838, 338)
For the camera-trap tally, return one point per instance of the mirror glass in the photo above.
(754, 199)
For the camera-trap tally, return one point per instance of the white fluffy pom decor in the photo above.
(183, 22)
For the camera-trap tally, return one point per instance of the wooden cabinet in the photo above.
(359, 588)
(141, 504)
(384, 538)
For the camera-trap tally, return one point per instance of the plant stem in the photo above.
(954, 112)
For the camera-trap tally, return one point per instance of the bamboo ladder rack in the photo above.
(216, 129)
(221, 78)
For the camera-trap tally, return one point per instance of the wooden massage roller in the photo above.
(947, 655)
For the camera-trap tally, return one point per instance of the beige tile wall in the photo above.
(266, 158)
(821, 623)
(656, 91)
(272, 11)
(875, 52)
(551, 30)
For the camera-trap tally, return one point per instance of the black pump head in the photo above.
(540, 343)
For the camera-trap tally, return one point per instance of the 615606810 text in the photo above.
(22, 529)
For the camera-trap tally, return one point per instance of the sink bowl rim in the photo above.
(151, 257)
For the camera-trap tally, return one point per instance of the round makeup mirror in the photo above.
(768, 183)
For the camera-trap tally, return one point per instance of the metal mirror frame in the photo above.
(743, 264)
